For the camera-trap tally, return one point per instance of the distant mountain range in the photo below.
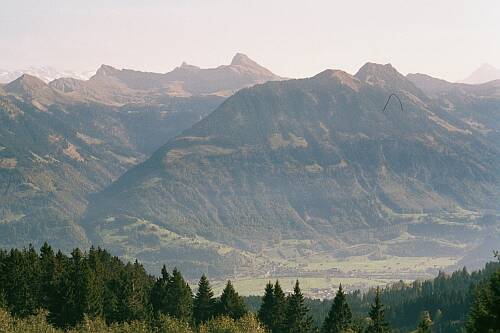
(112, 86)
(138, 163)
(45, 74)
(483, 74)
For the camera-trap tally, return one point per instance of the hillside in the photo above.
(308, 165)
(63, 141)
(52, 158)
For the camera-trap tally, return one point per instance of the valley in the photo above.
(289, 179)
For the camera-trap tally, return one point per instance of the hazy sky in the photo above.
(444, 38)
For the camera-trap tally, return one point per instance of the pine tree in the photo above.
(424, 326)
(484, 315)
(298, 319)
(136, 292)
(47, 265)
(204, 302)
(339, 317)
(279, 312)
(75, 284)
(159, 292)
(377, 322)
(93, 284)
(179, 297)
(58, 294)
(266, 311)
(230, 303)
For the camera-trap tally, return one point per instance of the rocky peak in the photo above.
(242, 60)
(378, 72)
(387, 77)
(106, 70)
(25, 85)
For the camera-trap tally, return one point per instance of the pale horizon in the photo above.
(448, 40)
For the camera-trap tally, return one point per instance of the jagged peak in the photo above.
(106, 70)
(242, 60)
(387, 77)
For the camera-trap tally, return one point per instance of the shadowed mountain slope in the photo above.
(310, 159)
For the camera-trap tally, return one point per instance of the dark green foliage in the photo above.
(180, 297)
(159, 292)
(172, 295)
(272, 311)
(48, 266)
(279, 313)
(340, 317)
(93, 284)
(265, 313)
(230, 303)
(485, 313)
(21, 283)
(377, 317)
(298, 319)
(204, 302)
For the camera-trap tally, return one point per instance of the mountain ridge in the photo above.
(307, 159)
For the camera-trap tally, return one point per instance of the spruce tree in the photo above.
(279, 312)
(204, 302)
(21, 281)
(266, 311)
(179, 297)
(230, 303)
(339, 317)
(484, 315)
(93, 285)
(58, 294)
(75, 284)
(298, 319)
(47, 265)
(136, 287)
(377, 319)
(159, 292)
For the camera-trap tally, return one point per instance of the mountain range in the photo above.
(314, 160)
(58, 145)
(280, 170)
(46, 74)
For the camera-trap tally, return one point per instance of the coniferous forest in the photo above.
(93, 291)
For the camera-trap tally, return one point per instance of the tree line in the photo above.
(96, 287)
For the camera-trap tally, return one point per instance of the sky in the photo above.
(446, 38)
